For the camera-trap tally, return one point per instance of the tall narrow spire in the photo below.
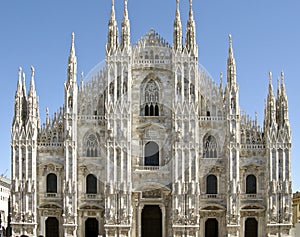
(270, 116)
(32, 84)
(72, 62)
(282, 84)
(231, 65)
(19, 87)
(125, 28)
(24, 84)
(177, 37)
(112, 42)
(190, 40)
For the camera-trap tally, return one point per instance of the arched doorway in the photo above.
(52, 229)
(91, 227)
(151, 221)
(251, 227)
(211, 228)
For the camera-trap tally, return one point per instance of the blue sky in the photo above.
(266, 36)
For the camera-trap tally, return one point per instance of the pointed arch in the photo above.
(150, 96)
(210, 147)
(91, 145)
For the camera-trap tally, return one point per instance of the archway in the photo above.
(211, 228)
(91, 227)
(251, 227)
(52, 229)
(151, 221)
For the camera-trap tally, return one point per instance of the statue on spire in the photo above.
(177, 40)
(125, 37)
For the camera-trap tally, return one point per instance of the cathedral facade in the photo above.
(149, 145)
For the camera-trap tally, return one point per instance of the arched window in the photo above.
(51, 183)
(92, 146)
(210, 147)
(151, 99)
(151, 154)
(251, 184)
(211, 184)
(91, 184)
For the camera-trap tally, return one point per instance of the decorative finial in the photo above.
(32, 71)
(20, 73)
(282, 77)
(23, 78)
(270, 76)
(221, 78)
(113, 3)
(230, 39)
(47, 111)
(73, 39)
(191, 15)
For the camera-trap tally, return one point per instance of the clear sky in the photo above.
(266, 36)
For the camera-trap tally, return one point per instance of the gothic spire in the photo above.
(190, 40)
(231, 66)
(270, 113)
(24, 85)
(283, 85)
(32, 84)
(19, 87)
(125, 28)
(177, 40)
(270, 92)
(72, 62)
(112, 42)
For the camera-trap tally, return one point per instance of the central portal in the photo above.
(151, 221)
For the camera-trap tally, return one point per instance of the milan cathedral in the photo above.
(149, 145)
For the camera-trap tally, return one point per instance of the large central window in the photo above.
(151, 99)
(151, 154)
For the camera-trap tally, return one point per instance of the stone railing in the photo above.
(253, 146)
(52, 195)
(91, 117)
(50, 144)
(212, 196)
(147, 168)
(93, 196)
(211, 118)
(252, 196)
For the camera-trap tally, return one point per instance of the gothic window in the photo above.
(91, 184)
(210, 147)
(251, 184)
(51, 183)
(151, 154)
(151, 99)
(92, 146)
(211, 184)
